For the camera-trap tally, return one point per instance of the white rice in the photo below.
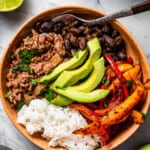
(57, 125)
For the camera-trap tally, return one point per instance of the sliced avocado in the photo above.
(61, 100)
(82, 97)
(94, 79)
(68, 78)
(74, 62)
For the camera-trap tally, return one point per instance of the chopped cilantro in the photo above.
(105, 104)
(105, 81)
(22, 67)
(33, 82)
(48, 93)
(19, 105)
(15, 68)
(26, 56)
(12, 57)
(7, 94)
(128, 83)
(143, 115)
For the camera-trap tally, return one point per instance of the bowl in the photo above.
(132, 47)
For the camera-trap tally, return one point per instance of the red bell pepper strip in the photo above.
(92, 128)
(118, 73)
(86, 112)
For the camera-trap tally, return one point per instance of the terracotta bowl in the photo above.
(132, 47)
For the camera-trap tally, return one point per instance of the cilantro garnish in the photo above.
(19, 105)
(7, 94)
(33, 82)
(48, 93)
(26, 56)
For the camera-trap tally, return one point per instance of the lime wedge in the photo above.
(145, 147)
(9, 5)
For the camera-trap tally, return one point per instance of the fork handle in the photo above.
(141, 7)
(138, 8)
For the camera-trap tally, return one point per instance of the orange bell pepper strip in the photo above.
(132, 73)
(147, 84)
(137, 117)
(121, 110)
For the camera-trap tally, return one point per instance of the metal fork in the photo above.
(138, 8)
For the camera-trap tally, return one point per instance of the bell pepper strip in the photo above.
(118, 73)
(137, 117)
(92, 128)
(132, 73)
(112, 103)
(93, 106)
(147, 84)
(121, 110)
(86, 112)
(124, 67)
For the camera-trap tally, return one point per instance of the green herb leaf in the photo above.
(24, 67)
(107, 82)
(49, 95)
(12, 56)
(19, 105)
(129, 83)
(7, 94)
(33, 82)
(105, 104)
(15, 68)
(143, 115)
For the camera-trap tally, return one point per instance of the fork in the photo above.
(138, 8)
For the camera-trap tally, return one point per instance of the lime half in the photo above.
(9, 5)
(145, 147)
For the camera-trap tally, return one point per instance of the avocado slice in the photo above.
(61, 101)
(94, 79)
(68, 78)
(74, 62)
(82, 97)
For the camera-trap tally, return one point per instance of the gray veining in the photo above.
(138, 25)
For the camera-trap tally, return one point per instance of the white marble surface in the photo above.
(10, 22)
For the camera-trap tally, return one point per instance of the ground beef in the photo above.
(51, 52)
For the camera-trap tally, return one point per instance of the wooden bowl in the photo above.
(133, 49)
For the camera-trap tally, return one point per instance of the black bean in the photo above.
(87, 30)
(37, 25)
(118, 41)
(46, 27)
(67, 44)
(81, 28)
(73, 40)
(115, 34)
(109, 41)
(58, 27)
(107, 29)
(102, 40)
(122, 55)
(75, 31)
(74, 23)
(82, 43)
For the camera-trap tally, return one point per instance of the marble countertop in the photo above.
(138, 25)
